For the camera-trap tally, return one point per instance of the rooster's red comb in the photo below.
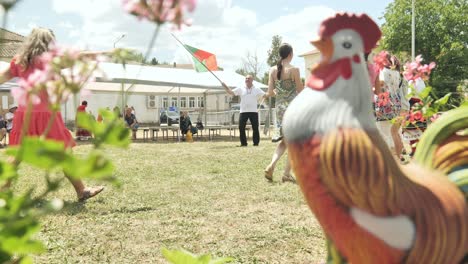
(362, 24)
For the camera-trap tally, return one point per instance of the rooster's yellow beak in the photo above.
(325, 46)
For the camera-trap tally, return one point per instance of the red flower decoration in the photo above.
(384, 99)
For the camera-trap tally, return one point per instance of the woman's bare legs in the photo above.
(397, 141)
(82, 192)
(280, 149)
(287, 177)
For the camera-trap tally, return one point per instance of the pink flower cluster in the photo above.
(415, 70)
(383, 100)
(160, 11)
(415, 116)
(381, 60)
(59, 73)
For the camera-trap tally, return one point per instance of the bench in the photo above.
(165, 130)
(147, 134)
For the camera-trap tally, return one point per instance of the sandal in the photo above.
(269, 173)
(288, 178)
(276, 139)
(89, 193)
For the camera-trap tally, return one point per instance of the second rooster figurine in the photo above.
(371, 209)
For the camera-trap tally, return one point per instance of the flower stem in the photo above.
(153, 40)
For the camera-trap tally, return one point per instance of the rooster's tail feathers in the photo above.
(444, 148)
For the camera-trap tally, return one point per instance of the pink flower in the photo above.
(23, 97)
(160, 11)
(63, 73)
(435, 117)
(381, 60)
(414, 70)
(416, 116)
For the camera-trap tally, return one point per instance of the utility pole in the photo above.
(121, 37)
(413, 29)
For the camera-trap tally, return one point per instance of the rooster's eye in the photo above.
(347, 45)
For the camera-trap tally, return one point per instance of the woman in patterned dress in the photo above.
(392, 103)
(285, 83)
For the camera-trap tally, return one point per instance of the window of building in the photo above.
(192, 102)
(183, 102)
(165, 102)
(200, 101)
(174, 101)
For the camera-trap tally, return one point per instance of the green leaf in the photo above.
(185, 257)
(26, 260)
(425, 93)
(22, 246)
(85, 120)
(7, 171)
(95, 166)
(113, 133)
(43, 153)
(221, 260)
(464, 104)
(443, 100)
(179, 257)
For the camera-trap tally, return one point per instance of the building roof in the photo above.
(149, 79)
(312, 52)
(9, 36)
(10, 43)
(179, 66)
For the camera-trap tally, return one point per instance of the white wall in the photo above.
(309, 61)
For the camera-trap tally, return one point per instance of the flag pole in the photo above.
(191, 53)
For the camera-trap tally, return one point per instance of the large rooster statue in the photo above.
(371, 209)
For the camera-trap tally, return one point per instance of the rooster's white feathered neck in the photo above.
(347, 103)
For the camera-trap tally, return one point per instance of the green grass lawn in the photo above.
(202, 197)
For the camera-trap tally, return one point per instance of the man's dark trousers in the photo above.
(253, 117)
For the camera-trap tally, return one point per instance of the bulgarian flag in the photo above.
(201, 56)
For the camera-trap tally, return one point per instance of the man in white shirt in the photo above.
(249, 95)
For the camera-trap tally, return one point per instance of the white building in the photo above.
(310, 58)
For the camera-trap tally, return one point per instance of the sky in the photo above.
(228, 28)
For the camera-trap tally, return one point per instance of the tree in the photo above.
(137, 57)
(154, 61)
(440, 36)
(250, 65)
(273, 52)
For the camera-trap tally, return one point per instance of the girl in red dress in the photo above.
(81, 133)
(23, 65)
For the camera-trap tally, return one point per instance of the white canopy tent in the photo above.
(166, 77)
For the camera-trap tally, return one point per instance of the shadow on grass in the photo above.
(126, 210)
(73, 208)
(69, 208)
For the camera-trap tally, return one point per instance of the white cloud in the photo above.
(66, 25)
(220, 27)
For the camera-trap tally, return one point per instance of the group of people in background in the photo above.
(6, 123)
(128, 115)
